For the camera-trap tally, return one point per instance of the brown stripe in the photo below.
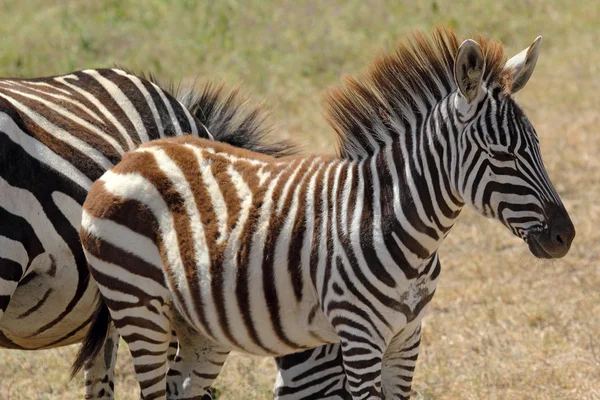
(66, 123)
(95, 89)
(176, 205)
(186, 160)
(145, 164)
(276, 223)
(297, 238)
(318, 216)
(74, 156)
(219, 147)
(118, 256)
(131, 213)
(243, 256)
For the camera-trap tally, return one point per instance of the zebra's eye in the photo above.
(502, 154)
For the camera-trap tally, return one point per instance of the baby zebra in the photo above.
(236, 250)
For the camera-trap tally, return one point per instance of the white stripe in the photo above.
(120, 274)
(288, 184)
(123, 101)
(149, 100)
(43, 154)
(13, 250)
(68, 98)
(229, 276)
(122, 237)
(43, 84)
(258, 303)
(70, 208)
(201, 253)
(62, 134)
(22, 203)
(126, 136)
(174, 119)
(7, 288)
(216, 197)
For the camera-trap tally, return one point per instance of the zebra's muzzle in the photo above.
(555, 241)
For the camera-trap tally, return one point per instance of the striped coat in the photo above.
(239, 251)
(57, 136)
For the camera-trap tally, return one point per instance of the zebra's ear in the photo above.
(469, 67)
(522, 65)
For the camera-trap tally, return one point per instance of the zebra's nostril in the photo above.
(559, 239)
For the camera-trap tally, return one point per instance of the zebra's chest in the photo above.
(414, 296)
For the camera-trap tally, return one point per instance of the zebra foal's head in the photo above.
(500, 169)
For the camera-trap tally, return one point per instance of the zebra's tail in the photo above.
(94, 339)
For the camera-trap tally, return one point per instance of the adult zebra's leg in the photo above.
(99, 375)
(399, 363)
(199, 362)
(312, 374)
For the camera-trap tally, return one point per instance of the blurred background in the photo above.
(502, 325)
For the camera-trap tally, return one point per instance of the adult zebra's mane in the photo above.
(226, 115)
(400, 86)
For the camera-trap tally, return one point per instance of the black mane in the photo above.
(226, 115)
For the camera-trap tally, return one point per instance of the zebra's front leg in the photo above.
(399, 362)
(99, 375)
(197, 364)
(312, 374)
(362, 360)
(175, 374)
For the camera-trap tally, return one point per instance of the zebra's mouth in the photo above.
(536, 249)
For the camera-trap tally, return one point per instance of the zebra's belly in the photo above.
(257, 331)
(36, 318)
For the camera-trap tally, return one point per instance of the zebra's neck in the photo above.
(395, 208)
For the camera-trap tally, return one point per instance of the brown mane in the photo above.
(399, 86)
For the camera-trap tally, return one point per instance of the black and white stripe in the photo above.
(57, 136)
(238, 251)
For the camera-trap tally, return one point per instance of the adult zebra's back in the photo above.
(57, 135)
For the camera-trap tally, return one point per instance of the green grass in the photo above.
(501, 325)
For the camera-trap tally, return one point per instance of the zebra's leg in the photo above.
(199, 362)
(175, 375)
(399, 363)
(362, 361)
(147, 332)
(312, 374)
(99, 384)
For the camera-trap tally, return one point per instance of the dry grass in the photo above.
(502, 324)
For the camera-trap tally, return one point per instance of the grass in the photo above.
(502, 325)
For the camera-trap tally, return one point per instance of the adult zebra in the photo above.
(240, 251)
(58, 135)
